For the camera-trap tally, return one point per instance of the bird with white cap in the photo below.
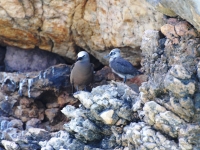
(120, 66)
(82, 71)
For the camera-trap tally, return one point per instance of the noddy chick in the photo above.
(120, 66)
(82, 71)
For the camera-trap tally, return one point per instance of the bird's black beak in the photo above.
(79, 58)
(107, 56)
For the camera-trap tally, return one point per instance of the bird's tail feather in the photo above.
(139, 72)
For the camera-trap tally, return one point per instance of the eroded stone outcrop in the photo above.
(120, 127)
(103, 110)
(36, 96)
(163, 114)
(142, 136)
(188, 10)
(168, 96)
(30, 106)
(95, 26)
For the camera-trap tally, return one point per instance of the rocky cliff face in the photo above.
(163, 114)
(157, 110)
(96, 26)
(188, 10)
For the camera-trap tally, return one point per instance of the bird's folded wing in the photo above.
(122, 66)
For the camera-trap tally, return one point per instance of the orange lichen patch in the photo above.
(5, 23)
(58, 39)
(45, 43)
(181, 28)
(64, 99)
(17, 44)
(127, 16)
(169, 31)
(56, 30)
(60, 32)
(103, 11)
(192, 32)
(139, 79)
(13, 36)
(17, 35)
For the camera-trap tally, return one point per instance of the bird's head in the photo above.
(114, 53)
(83, 56)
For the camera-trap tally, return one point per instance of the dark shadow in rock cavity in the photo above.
(2, 57)
(20, 60)
(47, 97)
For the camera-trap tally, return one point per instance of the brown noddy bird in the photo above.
(120, 66)
(82, 71)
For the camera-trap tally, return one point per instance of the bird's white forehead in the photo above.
(116, 50)
(82, 53)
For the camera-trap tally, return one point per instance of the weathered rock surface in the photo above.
(89, 124)
(164, 114)
(36, 97)
(15, 138)
(143, 136)
(188, 10)
(35, 83)
(169, 95)
(96, 26)
(114, 130)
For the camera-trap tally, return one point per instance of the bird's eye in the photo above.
(112, 53)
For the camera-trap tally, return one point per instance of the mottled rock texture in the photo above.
(106, 110)
(14, 138)
(30, 105)
(188, 10)
(165, 114)
(95, 26)
(108, 119)
(36, 97)
(170, 95)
